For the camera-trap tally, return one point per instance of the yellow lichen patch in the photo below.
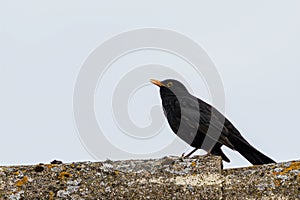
(295, 165)
(117, 172)
(17, 173)
(21, 182)
(72, 165)
(50, 166)
(64, 175)
(277, 183)
(193, 164)
(51, 195)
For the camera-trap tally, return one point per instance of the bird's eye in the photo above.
(170, 84)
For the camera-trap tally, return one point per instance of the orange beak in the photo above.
(156, 82)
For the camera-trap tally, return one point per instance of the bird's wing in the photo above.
(231, 131)
(202, 117)
(221, 117)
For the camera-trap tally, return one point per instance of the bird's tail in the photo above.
(254, 156)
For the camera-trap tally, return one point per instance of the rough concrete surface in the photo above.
(166, 178)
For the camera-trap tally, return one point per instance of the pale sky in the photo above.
(254, 46)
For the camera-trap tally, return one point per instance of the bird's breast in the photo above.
(172, 112)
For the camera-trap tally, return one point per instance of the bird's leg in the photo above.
(189, 154)
(208, 153)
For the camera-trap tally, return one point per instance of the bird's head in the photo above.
(171, 85)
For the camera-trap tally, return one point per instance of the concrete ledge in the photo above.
(273, 181)
(166, 178)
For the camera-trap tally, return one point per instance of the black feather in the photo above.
(202, 126)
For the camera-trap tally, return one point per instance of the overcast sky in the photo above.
(255, 47)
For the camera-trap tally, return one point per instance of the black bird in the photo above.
(201, 125)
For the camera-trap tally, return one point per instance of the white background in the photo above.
(255, 47)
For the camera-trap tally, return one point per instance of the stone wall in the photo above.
(166, 178)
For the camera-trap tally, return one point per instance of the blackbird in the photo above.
(201, 125)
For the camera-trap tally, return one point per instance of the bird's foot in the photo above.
(207, 155)
(201, 156)
(189, 154)
(197, 156)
